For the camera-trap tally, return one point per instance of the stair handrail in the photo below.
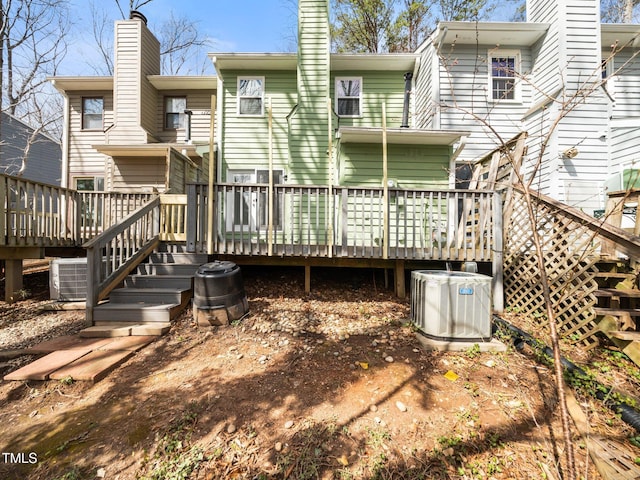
(625, 242)
(113, 254)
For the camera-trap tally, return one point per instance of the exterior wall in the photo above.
(199, 102)
(309, 126)
(411, 166)
(139, 173)
(377, 88)
(464, 90)
(44, 154)
(137, 54)
(426, 92)
(245, 139)
(84, 160)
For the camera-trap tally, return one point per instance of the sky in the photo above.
(230, 26)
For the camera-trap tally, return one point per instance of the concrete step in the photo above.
(162, 281)
(150, 295)
(179, 257)
(167, 269)
(136, 312)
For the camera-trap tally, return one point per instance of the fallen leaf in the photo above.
(451, 375)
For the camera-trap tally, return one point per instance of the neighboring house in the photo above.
(497, 79)
(28, 153)
(138, 130)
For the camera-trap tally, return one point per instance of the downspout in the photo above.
(330, 153)
(64, 177)
(408, 76)
(211, 231)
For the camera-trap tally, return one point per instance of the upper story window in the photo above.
(92, 112)
(505, 66)
(349, 97)
(251, 96)
(174, 116)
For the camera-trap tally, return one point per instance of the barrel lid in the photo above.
(217, 267)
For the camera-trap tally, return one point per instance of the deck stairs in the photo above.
(618, 307)
(156, 292)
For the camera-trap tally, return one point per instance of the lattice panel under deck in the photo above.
(570, 258)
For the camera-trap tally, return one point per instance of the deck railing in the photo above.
(346, 222)
(36, 214)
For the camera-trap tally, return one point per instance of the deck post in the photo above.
(498, 246)
(270, 188)
(385, 186)
(399, 279)
(13, 279)
(307, 278)
(212, 178)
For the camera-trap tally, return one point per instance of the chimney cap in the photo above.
(136, 15)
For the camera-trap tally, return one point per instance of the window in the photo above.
(174, 116)
(348, 97)
(251, 96)
(504, 69)
(92, 110)
(89, 184)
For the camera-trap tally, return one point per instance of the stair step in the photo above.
(167, 269)
(617, 292)
(150, 295)
(615, 275)
(616, 312)
(624, 335)
(178, 257)
(172, 248)
(136, 312)
(162, 281)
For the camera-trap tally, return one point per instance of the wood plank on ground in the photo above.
(132, 344)
(43, 367)
(94, 366)
(105, 332)
(68, 342)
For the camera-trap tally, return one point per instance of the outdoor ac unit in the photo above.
(452, 306)
(68, 279)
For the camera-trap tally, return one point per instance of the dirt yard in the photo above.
(331, 385)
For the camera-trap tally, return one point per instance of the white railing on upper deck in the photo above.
(350, 222)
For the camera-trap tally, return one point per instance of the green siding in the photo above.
(377, 88)
(413, 166)
(309, 126)
(245, 139)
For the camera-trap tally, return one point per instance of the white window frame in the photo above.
(180, 113)
(338, 98)
(516, 55)
(89, 116)
(261, 97)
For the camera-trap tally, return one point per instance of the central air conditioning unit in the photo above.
(68, 279)
(452, 306)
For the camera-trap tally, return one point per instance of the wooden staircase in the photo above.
(157, 292)
(618, 306)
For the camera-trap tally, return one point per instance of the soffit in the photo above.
(401, 136)
(490, 33)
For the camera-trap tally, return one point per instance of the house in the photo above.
(27, 152)
(562, 65)
(138, 130)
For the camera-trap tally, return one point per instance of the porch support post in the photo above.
(307, 278)
(399, 279)
(498, 247)
(211, 180)
(270, 198)
(332, 214)
(13, 279)
(385, 186)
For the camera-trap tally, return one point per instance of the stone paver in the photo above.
(156, 330)
(93, 367)
(69, 342)
(43, 367)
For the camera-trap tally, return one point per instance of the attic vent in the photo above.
(135, 15)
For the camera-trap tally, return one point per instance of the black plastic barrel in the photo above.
(218, 294)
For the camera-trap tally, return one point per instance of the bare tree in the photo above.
(181, 45)
(32, 46)
(618, 11)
